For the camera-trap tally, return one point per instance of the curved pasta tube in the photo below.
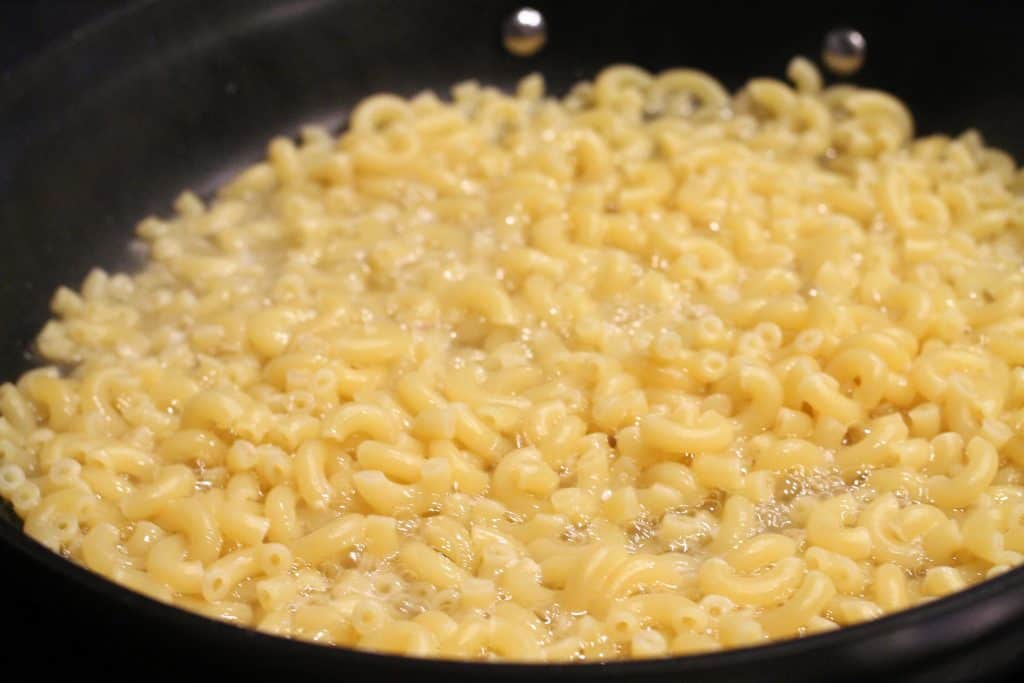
(450, 538)
(166, 562)
(56, 396)
(468, 637)
(1004, 311)
(675, 475)
(360, 418)
(73, 446)
(889, 587)
(767, 587)
(604, 573)
(429, 565)
(591, 153)
(521, 580)
(211, 410)
(775, 96)
(892, 124)
(401, 637)
(760, 551)
(847, 575)
(617, 404)
(693, 643)
(932, 370)
(193, 445)
(895, 346)
(371, 349)
(963, 411)
(397, 464)
(848, 611)
(617, 81)
(141, 582)
(534, 192)
(385, 496)
(702, 93)
(814, 122)
(667, 610)
(121, 459)
(391, 151)
(826, 527)
(895, 533)
(787, 454)
(269, 331)
(330, 540)
(712, 433)
(100, 550)
(720, 471)
(485, 297)
(198, 522)
(736, 630)
(512, 639)
(739, 521)
(863, 371)
(978, 472)
(98, 393)
(766, 396)
(16, 410)
(274, 559)
(417, 392)
(241, 523)
(821, 392)
(309, 468)
(374, 113)
(74, 502)
(649, 184)
(322, 623)
(279, 509)
(522, 480)
(809, 601)
(501, 117)
(226, 573)
(876, 449)
(984, 537)
(915, 306)
(943, 542)
(703, 261)
(173, 482)
(478, 436)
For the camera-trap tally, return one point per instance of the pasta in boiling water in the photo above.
(651, 369)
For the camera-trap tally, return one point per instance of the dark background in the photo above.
(57, 629)
(26, 26)
(54, 630)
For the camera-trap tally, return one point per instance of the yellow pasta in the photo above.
(649, 370)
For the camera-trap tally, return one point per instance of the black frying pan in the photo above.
(109, 126)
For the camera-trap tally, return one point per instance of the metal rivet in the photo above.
(844, 50)
(524, 32)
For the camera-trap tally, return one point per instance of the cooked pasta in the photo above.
(648, 370)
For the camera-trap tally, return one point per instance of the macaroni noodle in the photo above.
(644, 371)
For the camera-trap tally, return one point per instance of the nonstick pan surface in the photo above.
(109, 126)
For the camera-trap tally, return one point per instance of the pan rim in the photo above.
(951, 606)
(19, 77)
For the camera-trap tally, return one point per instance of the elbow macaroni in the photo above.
(644, 371)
